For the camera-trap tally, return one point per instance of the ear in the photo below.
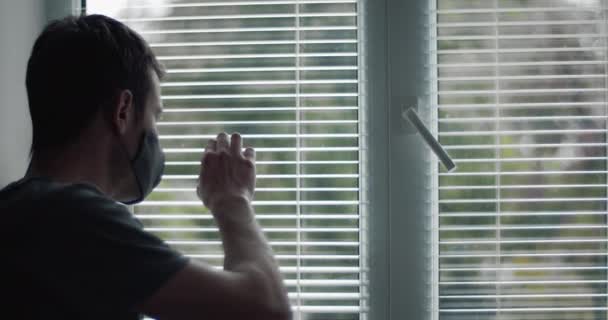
(123, 111)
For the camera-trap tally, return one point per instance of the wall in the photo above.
(20, 23)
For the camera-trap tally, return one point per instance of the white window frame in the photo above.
(396, 69)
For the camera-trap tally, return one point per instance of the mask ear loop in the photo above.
(132, 167)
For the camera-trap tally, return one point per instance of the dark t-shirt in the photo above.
(69, 252)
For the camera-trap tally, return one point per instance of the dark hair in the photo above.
(79, 65)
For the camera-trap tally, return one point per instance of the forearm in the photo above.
(242, 237)
(247, 251)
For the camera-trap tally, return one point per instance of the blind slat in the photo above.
(241, 16)
(257, 56)
(251, 29)
(237, 3)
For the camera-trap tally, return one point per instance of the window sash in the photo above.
(522, 93)
(286, 75)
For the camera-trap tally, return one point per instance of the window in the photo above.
(522, 107)
(516, 91)
(285, 74)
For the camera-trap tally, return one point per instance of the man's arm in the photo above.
(250, 286)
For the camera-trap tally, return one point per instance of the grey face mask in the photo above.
(148, 166)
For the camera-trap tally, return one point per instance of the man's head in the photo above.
(79, 66)
(92, 72)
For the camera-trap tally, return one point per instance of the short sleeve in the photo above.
(95, 255)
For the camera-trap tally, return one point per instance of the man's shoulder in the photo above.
(41, 194)
(45, 190)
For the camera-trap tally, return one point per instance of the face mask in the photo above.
(148, 166)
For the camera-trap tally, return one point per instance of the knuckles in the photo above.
(223, 157)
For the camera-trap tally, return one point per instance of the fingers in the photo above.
(211, 145)
(210, 163)
(236, 145)
(222, 142)
(249, 154)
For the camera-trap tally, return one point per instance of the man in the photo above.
(71, 251)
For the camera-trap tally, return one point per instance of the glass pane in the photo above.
(285, 75)
(522, 108)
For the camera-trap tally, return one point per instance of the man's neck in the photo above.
(70, 165)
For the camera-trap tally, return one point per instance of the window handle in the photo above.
(431, 142)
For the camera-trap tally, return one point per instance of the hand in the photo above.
(227, 174)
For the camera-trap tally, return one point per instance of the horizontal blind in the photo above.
(285, 75)
(522, 107)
